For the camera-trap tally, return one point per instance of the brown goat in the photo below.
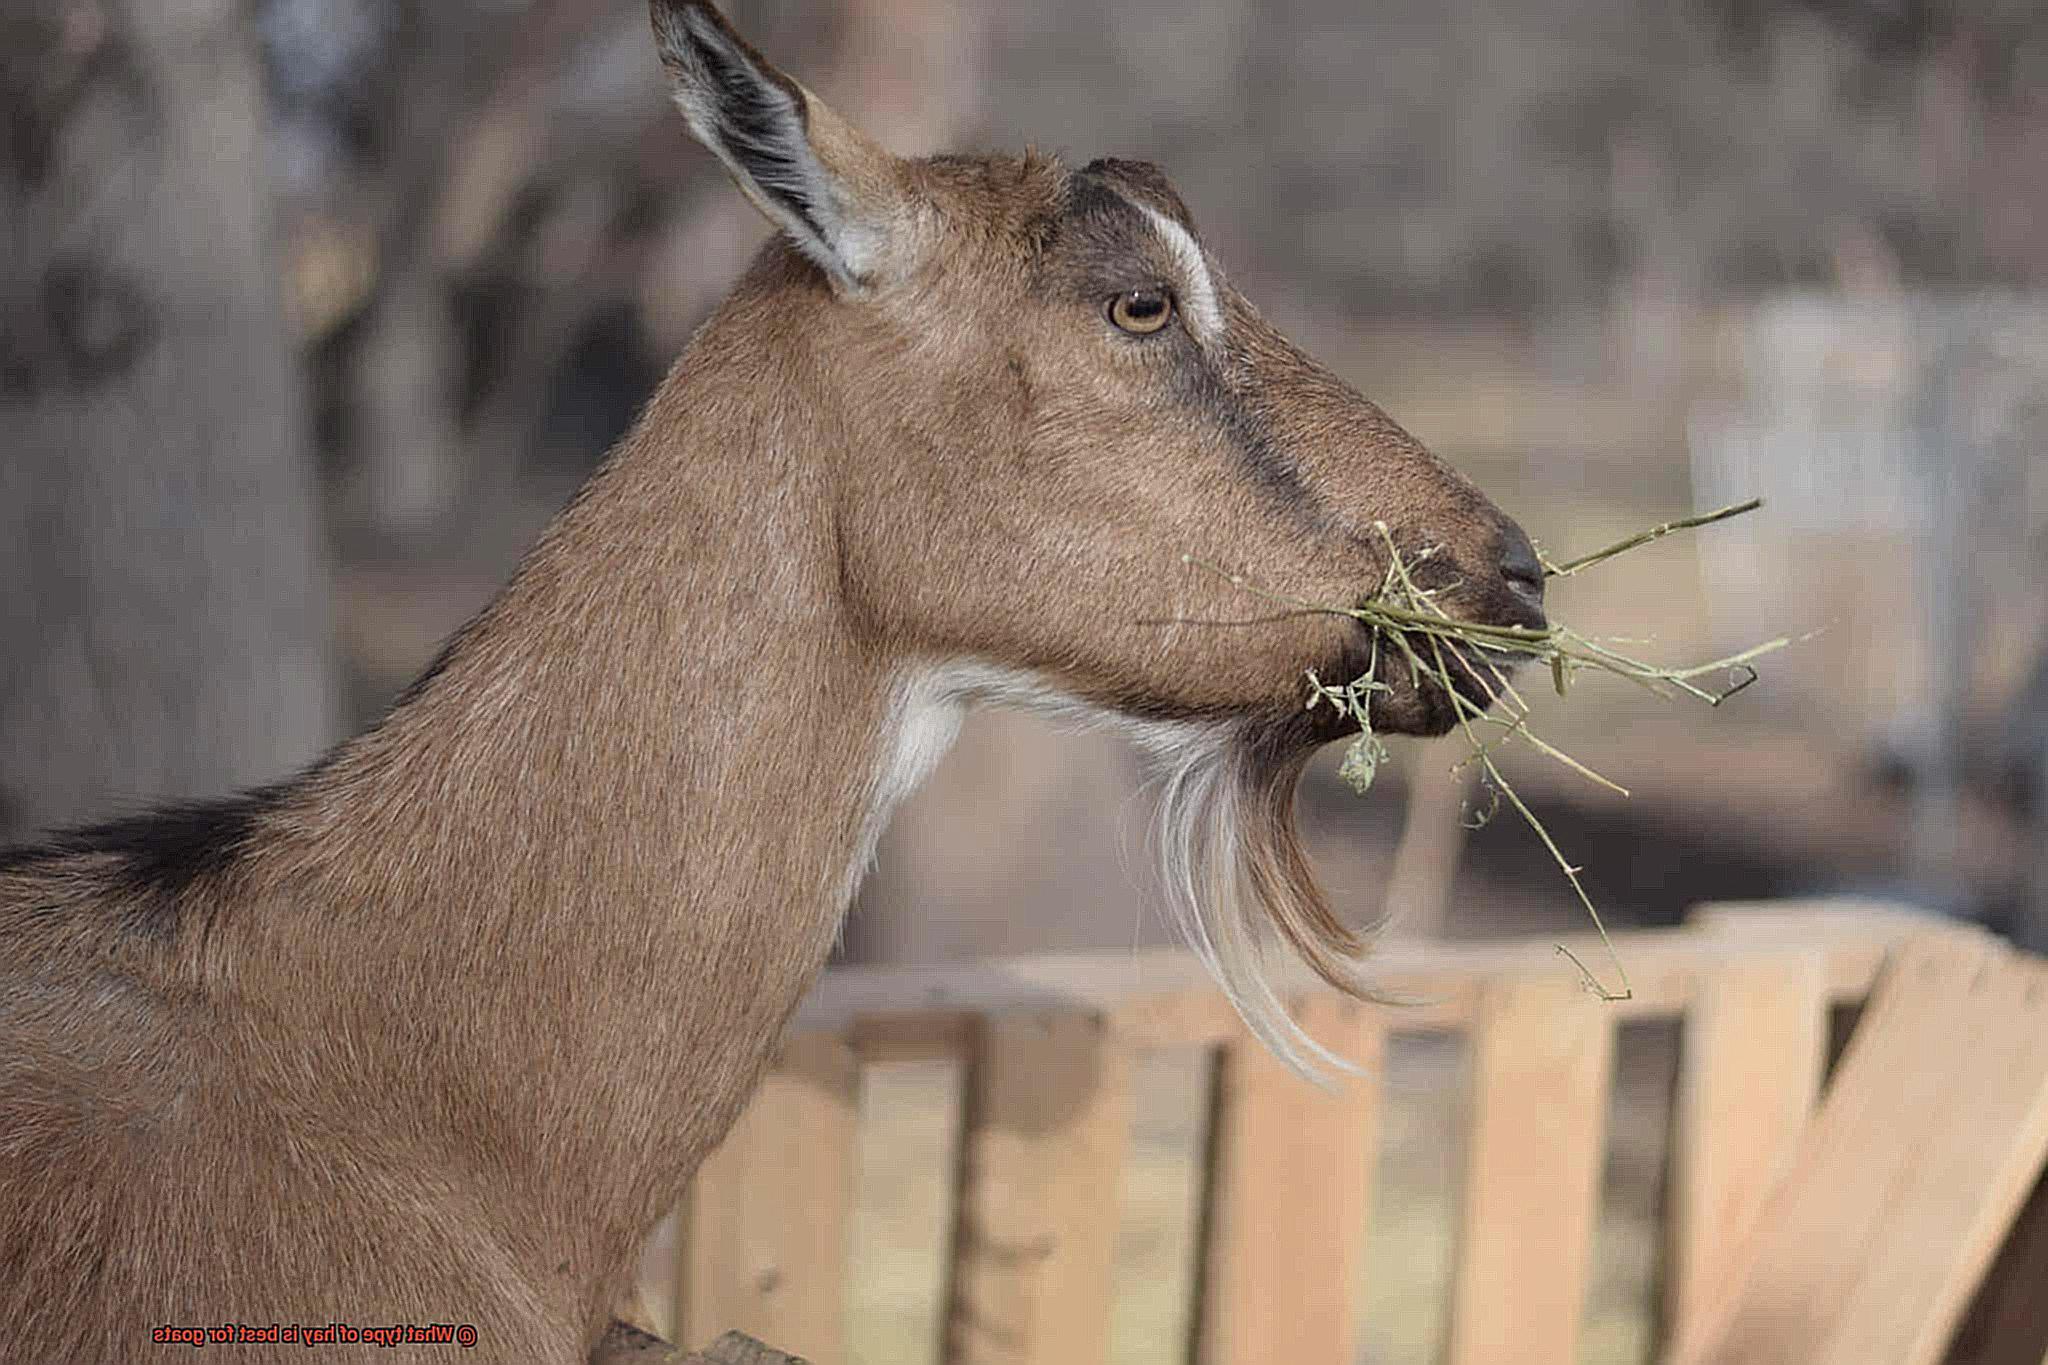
(438, 1031)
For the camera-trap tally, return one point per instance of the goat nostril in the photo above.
(1519, 565)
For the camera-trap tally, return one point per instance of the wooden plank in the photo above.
(1289, 1191)
(765, 1226)
(1162, 997)
(1541, 1055)
(1418, 885)
(1042, 1150)
(1825, 918)
(1754, 1049)
(1932, 1132)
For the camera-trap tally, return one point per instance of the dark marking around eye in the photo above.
(1101, 236)
(1101, 245)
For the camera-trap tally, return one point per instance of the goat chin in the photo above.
(1237, 881)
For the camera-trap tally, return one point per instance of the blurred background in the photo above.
(312, 312)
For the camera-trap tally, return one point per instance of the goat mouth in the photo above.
(1415, 700)
(1479, 677)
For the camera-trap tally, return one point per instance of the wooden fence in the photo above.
(1048, 1045)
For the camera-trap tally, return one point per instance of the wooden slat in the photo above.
(1541, 1055)
(1755, 1047)
(1164, 998)
(1047, 1123)
(1290, 1181)
(1932, 1132)
(765, 1226)
(1418, 885)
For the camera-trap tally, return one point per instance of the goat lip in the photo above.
(1478, 684)
(1420, 706)
(1524, 613)
(1477, 678)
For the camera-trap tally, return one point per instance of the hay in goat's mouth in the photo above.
(1409, 624)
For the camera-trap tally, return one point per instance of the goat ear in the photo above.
(837, 195)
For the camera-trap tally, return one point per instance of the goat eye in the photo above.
(1141, 311)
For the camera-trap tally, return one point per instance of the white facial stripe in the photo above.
(1200, 301)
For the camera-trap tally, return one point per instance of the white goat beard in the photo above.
(1231, 866)
(1235, 879)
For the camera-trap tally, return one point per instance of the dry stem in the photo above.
(1408, 619)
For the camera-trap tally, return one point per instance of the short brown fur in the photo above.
(449, 1028)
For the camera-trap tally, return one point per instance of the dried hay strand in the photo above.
(1408, 623)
